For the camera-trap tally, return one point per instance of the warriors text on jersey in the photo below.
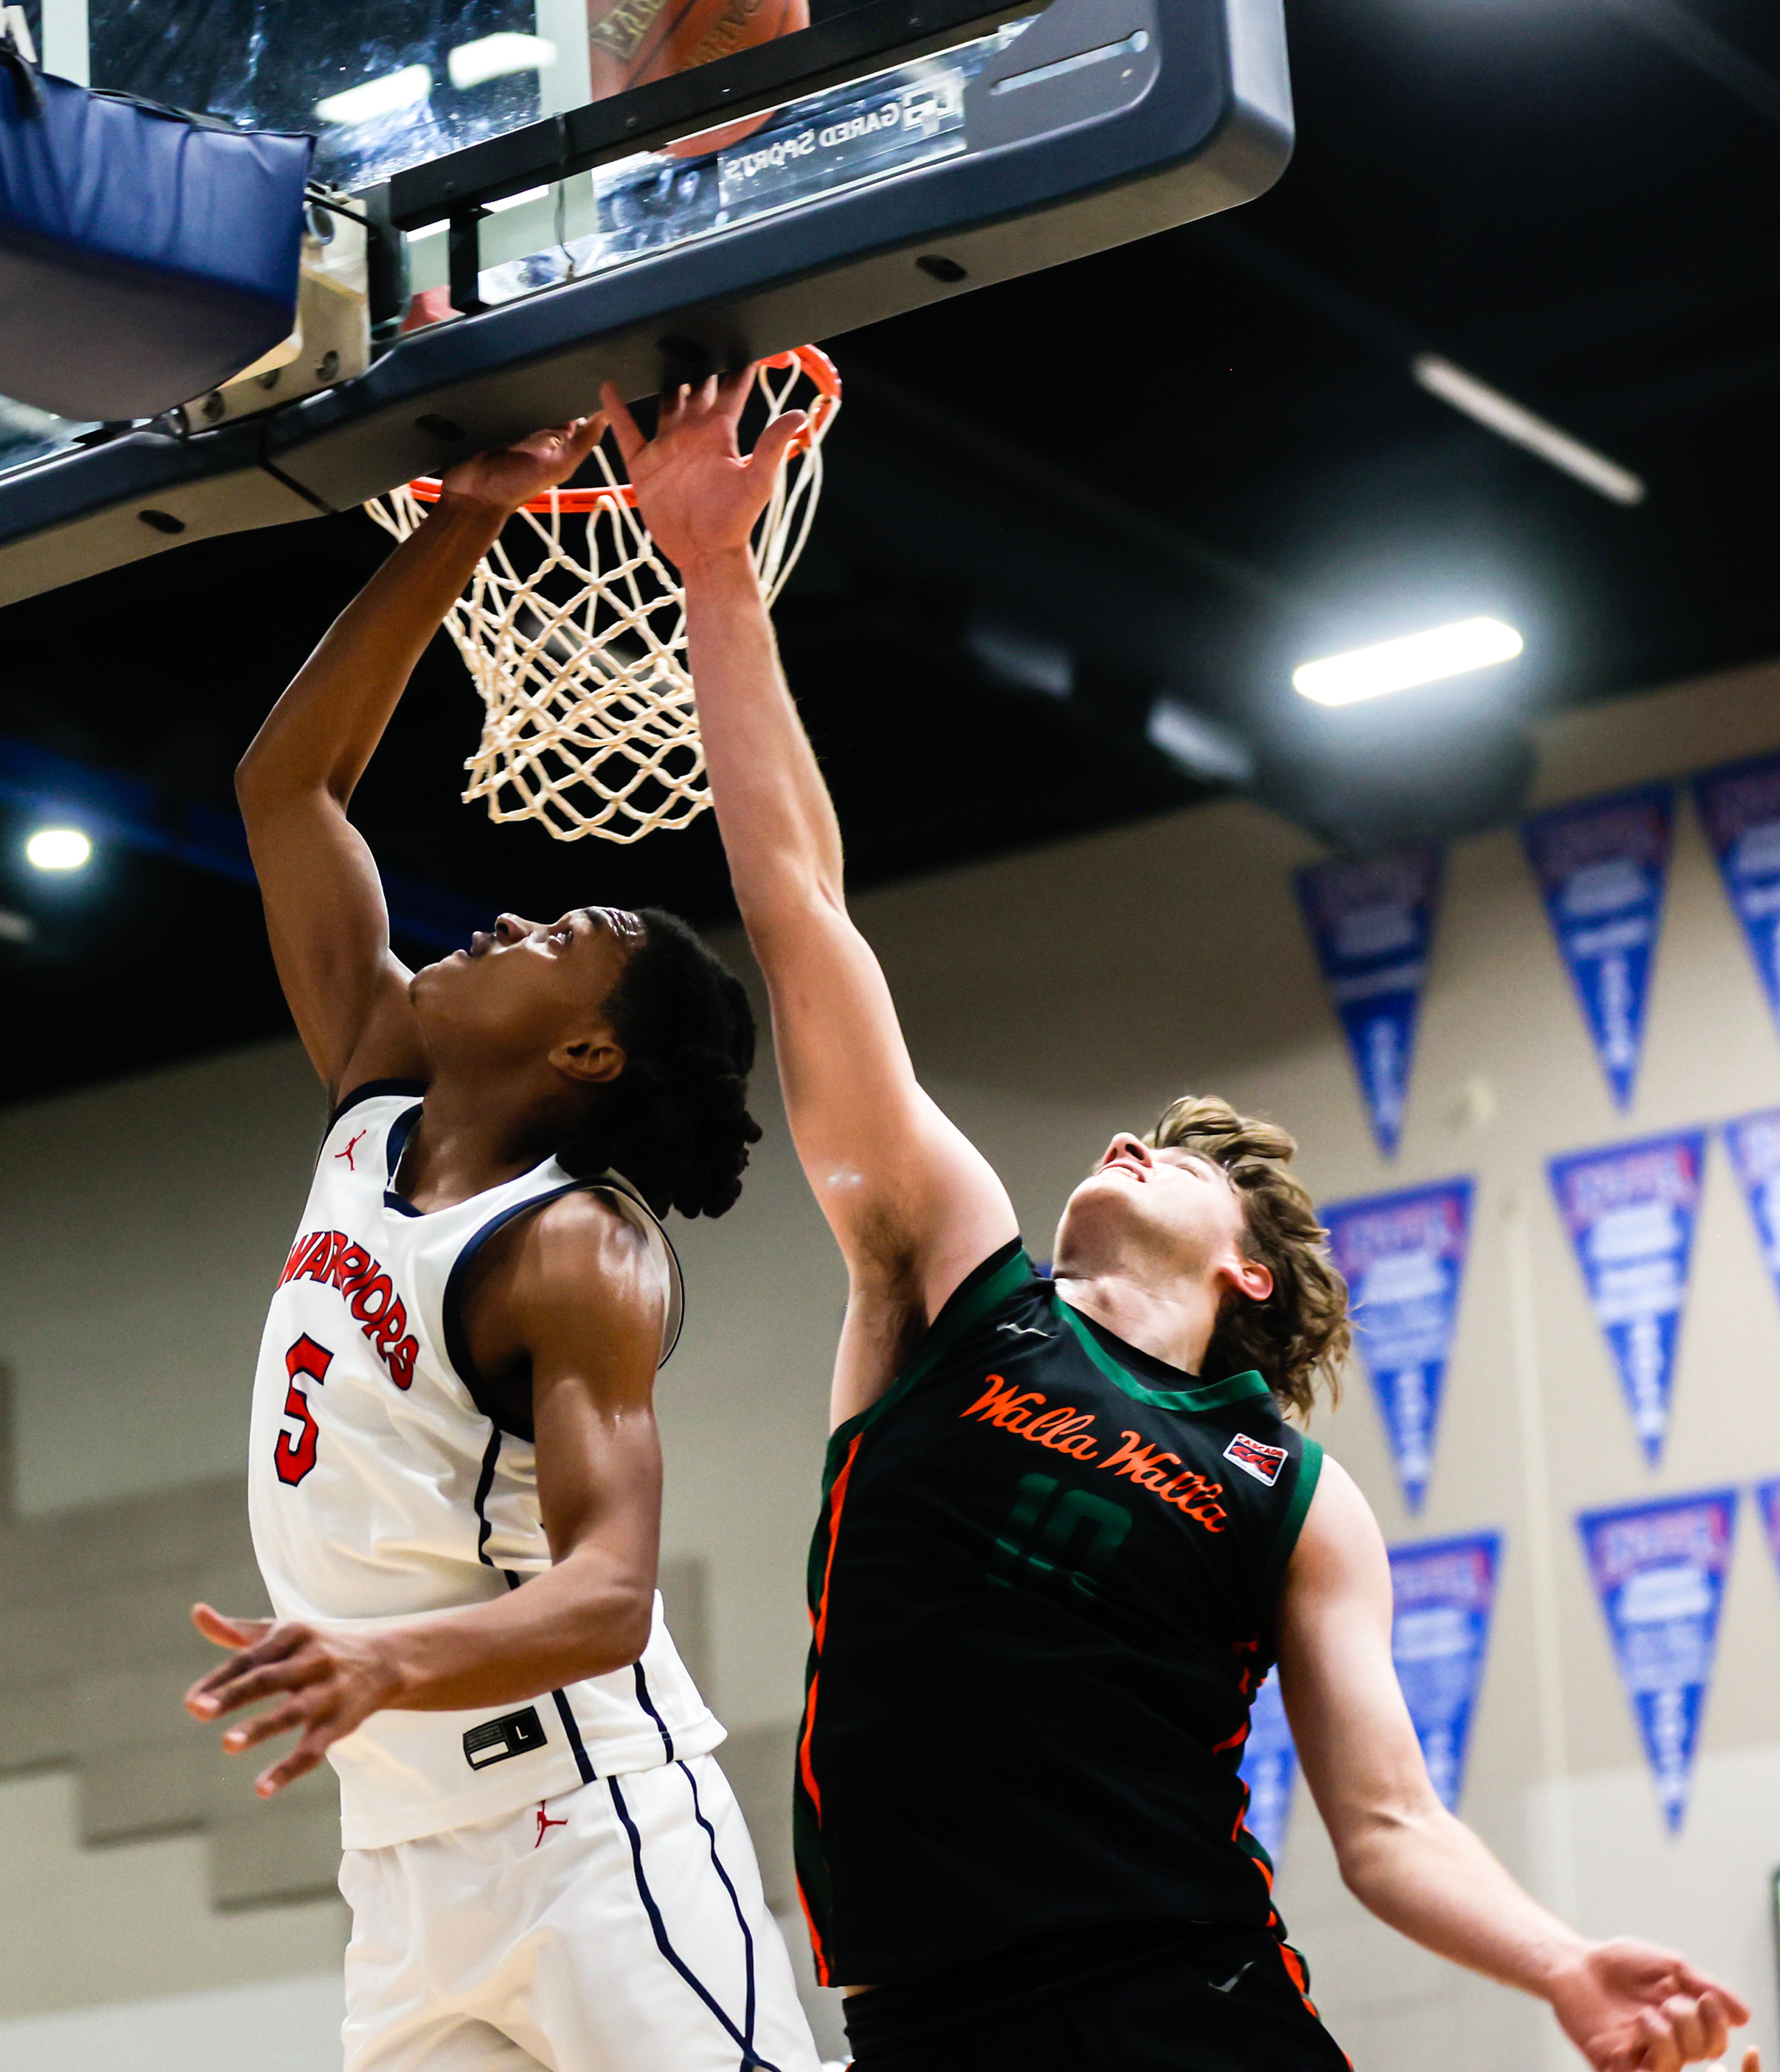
(1043, 1591)
(383, 1489)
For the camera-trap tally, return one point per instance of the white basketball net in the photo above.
(577, 639)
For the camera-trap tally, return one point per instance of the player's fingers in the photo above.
(770, 448)
(295, 1673)
(229, 1632)
(1715, 2022)
(1688, 1981)
(1690, 2029)
(1752, 2060)
(283, 1719)
(1659, 2054)
(585, 434)
(302, 1759)
(630, 441)
(733, 391)
(271, 1644)
(203, 1700)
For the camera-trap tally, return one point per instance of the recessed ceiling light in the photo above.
(1399, 665)
(377, 97)
(58, 848)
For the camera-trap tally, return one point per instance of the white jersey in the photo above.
(382, 1491)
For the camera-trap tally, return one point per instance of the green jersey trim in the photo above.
(951, 1325)
(1310, 1468)
(1208, 1395)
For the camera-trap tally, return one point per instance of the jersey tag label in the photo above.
(513, 1733)
(1254, 1458)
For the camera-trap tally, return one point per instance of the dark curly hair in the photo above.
(1300, 1335)
(675, 1121)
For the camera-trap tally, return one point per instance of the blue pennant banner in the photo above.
(1631, 1214)
(1740, 809)
(1372, 922)
(1767, 1499)
(1753, 1142)
(1659, 1571)
(1602, 866)
(1270, 1770)
(1403, 1259)
(1444, 1591)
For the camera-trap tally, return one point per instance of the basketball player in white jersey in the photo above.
(455, 1478)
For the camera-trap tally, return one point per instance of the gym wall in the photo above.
(153, 1915)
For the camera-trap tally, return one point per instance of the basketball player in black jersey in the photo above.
(1067, 1529)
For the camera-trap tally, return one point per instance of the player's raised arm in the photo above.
(1626, 2006)
(324, 907)
(913, 1204)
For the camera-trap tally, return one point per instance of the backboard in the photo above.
(567, 211)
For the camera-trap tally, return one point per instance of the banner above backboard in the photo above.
(1602, 866)
(1659, 1570)
(1444, 1591)
(1739, 806)
(1402, 1256)
(1753, 1142)
(1372, 922)
(1630, 1212)
(1270, 1770)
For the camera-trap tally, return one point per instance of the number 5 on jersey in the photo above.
(295, 1453)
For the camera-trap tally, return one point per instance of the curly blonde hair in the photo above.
(1300, 1335)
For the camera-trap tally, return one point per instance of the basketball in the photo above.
(635, 41)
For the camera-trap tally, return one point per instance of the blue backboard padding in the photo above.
(144, 258)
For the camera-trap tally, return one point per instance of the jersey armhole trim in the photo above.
(457, 1342)
(962, 1311)
(1310, 1469)
(375, 1090)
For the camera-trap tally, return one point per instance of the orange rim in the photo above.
(809, 359)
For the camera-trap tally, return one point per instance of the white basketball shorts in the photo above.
(620, 1928)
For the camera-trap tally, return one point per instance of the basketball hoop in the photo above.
(574, 629)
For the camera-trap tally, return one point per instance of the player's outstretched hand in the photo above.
(1634, 2007)
(327, 1684)
(698, 493)
(505, 477)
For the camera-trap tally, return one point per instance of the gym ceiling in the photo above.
(1158, 478)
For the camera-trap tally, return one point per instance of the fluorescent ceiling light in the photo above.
(377, 97)
(58, 848)
(1024, 660)
(1398, 665)
(1198, 746)
(1508, 420)
(494, 57)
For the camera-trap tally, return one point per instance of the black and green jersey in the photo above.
(1042, 1590)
